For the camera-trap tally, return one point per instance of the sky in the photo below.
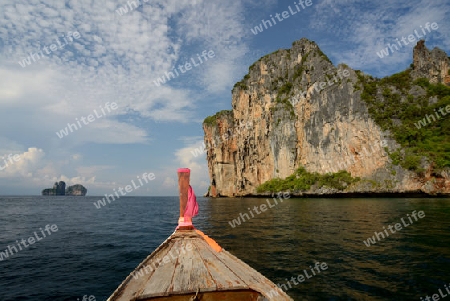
(96, 65)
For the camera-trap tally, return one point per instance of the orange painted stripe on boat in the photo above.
(211, 242)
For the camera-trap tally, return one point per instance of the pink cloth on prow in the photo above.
(192, 205)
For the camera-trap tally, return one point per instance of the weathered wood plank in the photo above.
(161, 280)
(251, 277)
(132, 286)
(222, 275)
(186, 262)
(191, 273)
(181, 280)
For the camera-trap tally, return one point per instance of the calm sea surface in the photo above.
(95, 249)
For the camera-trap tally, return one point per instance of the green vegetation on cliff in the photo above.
(302, 180)
(211, 120)
(397, 105)
(284, 90)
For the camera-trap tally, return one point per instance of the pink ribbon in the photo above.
(192, 205)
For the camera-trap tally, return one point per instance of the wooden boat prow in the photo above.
(191, 266)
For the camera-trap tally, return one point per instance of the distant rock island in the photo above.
(60, 189)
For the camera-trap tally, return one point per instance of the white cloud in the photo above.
(197, 165)
(183, 158)
(368, 27)
(127, 52)
(116, 58)
(21, 164)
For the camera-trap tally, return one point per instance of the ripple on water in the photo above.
(95, 249)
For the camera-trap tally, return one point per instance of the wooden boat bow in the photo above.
(191, 266)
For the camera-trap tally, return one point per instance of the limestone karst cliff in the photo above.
(76, 190)
(58, 189)
(295, 109)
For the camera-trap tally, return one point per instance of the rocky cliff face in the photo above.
(76, 190)
(433, 64)
(58, 189)
(296, 109)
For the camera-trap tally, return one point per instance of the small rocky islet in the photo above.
(59, 188)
